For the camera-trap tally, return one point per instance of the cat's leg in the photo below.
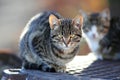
(61, 69)
(34, 62)
(29, 65)
(46, 67)
(43, 66)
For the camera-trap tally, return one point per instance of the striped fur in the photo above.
(111, 42)
(43, 48)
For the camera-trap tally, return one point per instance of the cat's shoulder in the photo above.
(42, 17)
(45, 14)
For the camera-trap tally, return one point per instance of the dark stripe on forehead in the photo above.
(65, 26)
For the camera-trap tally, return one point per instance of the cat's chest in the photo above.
(93, 44)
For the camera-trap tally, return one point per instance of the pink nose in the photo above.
(66, 41)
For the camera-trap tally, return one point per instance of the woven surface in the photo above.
(101, 69)
(81, 68)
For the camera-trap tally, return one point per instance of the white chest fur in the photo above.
(93, 44)
(92, 37)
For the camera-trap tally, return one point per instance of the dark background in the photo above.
(115, 7)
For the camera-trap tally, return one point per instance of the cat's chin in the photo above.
(63, 46)
(67, 48)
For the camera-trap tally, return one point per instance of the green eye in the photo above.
(72, 35)
(75, 36)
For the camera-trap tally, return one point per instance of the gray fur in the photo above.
(40, 49)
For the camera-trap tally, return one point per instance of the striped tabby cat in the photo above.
(96, 26)
(49, 41)
(111, 42)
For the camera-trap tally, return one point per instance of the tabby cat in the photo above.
(49, 41)
(111, 42)
(96, 26)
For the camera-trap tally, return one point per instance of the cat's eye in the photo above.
(71, 36)
(75, 36)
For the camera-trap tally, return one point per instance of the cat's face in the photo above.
(96, 25)
(66, 33)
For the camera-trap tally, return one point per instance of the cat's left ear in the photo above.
(105, 17)
(78, 21)
(53, 21)
(106, 14)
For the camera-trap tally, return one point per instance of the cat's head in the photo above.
(96, 25)
(65, 33)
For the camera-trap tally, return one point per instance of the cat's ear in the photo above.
(78, 21)
(53, 21)
(106, 14)
(105, 17)
(84, 14)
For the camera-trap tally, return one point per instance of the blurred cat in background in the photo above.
(96, 26)
(110, 44)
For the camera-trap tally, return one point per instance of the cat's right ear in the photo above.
(105, 17)
(78, 21)
(53, 21)
(106, 14)
(84, 14)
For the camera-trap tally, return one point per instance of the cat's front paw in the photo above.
(61, 69)
(29, 65)
(46, 68)
(50, 69)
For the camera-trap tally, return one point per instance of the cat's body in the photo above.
(49, 41)
(96, 26)
(111, 42)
